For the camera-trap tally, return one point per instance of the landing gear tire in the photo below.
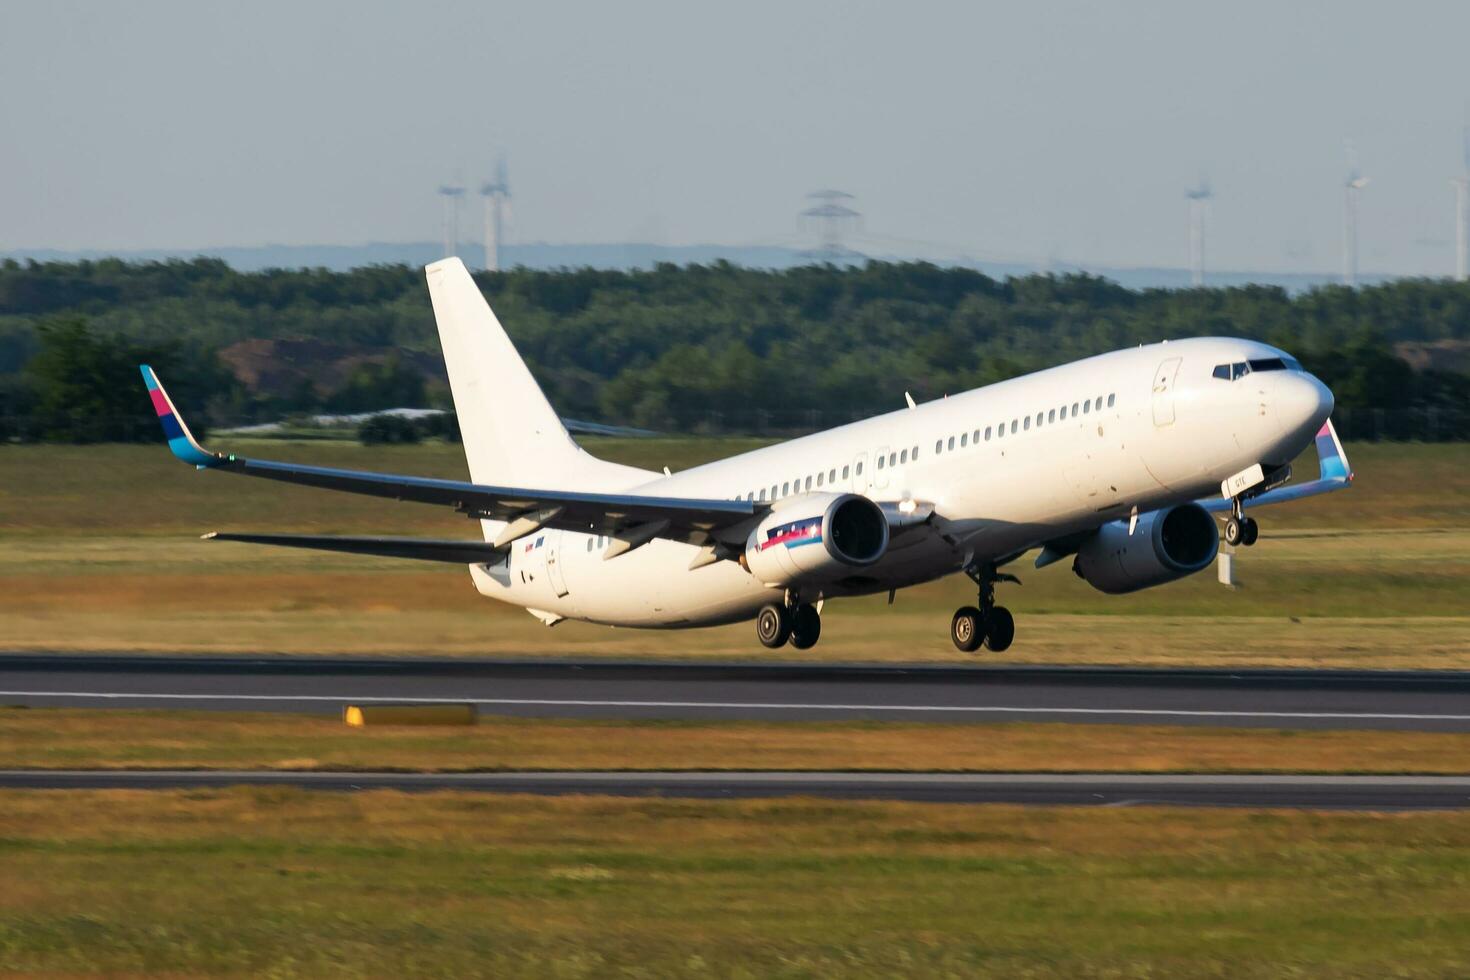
(967, 629)
(1000, 629)
(806, 627)
(1234, 532)
(772, 626)
(1249, 531)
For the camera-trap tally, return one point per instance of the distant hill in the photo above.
(642, 255)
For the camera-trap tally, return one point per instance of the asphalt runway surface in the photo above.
(1315, 792)
(1404, 700)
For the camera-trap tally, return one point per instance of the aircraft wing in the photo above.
(629, 519)
(1333, 473)
(419, 549)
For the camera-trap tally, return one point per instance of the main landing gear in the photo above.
(1239, 529)
(986, 623)
(777, 624)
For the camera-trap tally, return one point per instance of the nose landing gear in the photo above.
(1239, 529)
(986, 623)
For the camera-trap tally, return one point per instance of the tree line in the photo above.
(716, 347)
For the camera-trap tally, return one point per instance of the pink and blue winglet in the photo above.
(180, 440)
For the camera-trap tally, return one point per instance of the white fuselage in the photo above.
(1006, 467)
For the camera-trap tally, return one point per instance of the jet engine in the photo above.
(1166, 545)
(815, 538)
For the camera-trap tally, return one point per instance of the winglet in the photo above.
(1332, 462)
(180, 440)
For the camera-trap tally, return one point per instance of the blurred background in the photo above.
(672, 205)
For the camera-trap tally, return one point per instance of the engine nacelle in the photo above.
(816, 538)
(1166, 545)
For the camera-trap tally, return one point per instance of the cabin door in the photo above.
(1164, 391)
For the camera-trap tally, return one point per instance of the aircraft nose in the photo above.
(1301, 401)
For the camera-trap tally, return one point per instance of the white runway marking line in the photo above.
(776, 706)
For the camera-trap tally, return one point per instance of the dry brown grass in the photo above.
(67, 738)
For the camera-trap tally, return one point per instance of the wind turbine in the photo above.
(497, 208)
(1352, 187)
(1462, 212)
(451, 194)
(1199, 200)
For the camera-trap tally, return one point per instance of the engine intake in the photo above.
(817, 537)
(1166, 545)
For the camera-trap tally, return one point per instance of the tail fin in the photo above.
(512, 435)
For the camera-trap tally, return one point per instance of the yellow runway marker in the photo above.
(358, 716)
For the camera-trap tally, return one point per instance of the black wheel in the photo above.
(1249, 531)
(806, 627)
(967, 629)
(772, 626)
(1233, 532)
(1000, 629)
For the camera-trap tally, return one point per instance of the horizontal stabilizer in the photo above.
(421, 549)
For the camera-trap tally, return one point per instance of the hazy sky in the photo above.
(1016, 129)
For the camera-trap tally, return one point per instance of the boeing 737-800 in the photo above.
(1118, 462)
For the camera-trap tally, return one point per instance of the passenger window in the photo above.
(785, 489)
(1038, 419)
(1098, 405)
(951, 442)
(844, 472)
(1014, 424)
(987, 433)
(1074, 410)
(903, 457)
(916, 453)
(1086, 407)
(819, 478)
(1027, 424)
(832, 476)
(964, 439)
(1051, 416)
(859, 470)
(589, 544)
(976, 436)
(763, 493)
(1111, 398)
(808, 484)
(938, 446)
(880, 462)
(892, 459)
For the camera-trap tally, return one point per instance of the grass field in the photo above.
(285, 883)
(97, 551)
(90, 739)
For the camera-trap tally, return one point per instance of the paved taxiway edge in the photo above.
(1096, 789)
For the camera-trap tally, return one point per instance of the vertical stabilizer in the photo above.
(512, 435)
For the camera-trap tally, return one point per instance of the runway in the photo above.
(1405, 700)
(1316, 792)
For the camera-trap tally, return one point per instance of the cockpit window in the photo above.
(1238, 370)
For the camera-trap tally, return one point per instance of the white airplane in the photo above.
(1104, 460)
